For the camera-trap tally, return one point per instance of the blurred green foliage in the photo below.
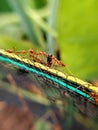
(7, 42)
(39, 3)
(4, 7)
(32, 24)
(34, 21)
(42, 125)
(78, 36)
(29, 18)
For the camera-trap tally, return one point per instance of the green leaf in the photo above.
(40, 22)
(33, 32)
(78, 36)
(39, 3)
(41, 124)
(54, 4)
(4, 7)
(10, 43)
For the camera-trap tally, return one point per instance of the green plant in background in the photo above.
(46, 24)
(78, 36)
(71, 24)
(29, 23)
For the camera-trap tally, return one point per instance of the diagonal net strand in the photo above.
(54, 84)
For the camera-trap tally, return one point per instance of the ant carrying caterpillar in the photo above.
(38, 57)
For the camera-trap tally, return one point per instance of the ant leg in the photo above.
(37, 53)
(21, 52)
(10, 51)
(49, 60)
(31, 51)
(42, 53)
(58, 62)
(17, 52)
(36, 59)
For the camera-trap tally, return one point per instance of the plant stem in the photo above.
(52, 23)
(30, 27)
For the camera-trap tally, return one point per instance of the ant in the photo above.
(50, 59)
(94, 96)
(20, 52)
